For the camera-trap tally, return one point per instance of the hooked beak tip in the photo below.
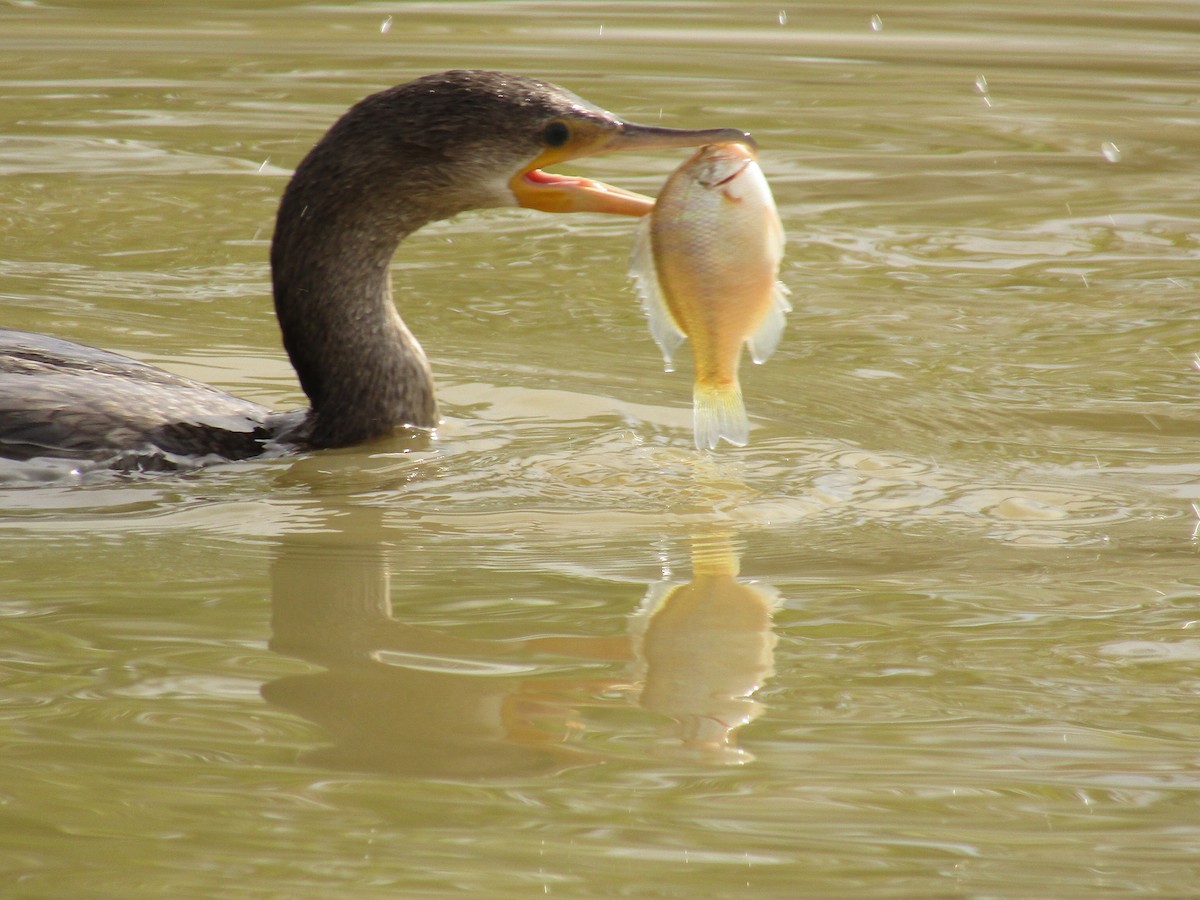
(634, 136)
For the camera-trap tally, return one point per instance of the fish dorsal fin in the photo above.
(641, 266)
(766, 338)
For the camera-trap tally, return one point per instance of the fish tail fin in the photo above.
(718, 412)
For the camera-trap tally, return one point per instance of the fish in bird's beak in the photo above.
(706, 264)
(569, 139)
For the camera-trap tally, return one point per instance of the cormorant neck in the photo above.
(362, 369)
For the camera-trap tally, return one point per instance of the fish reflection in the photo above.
(703, 649)
(394, 697)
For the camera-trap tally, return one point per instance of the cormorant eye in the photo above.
(556, 134)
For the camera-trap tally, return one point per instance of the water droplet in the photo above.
(1110, 151)
(876, 23)
(981, 84)
(386, 25)
(783, 17)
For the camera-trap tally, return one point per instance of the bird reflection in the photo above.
(394, 697)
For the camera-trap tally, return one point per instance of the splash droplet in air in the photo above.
(386, 25)
(783, 17)
(1110, 151)
(981, 86)
(876, 23)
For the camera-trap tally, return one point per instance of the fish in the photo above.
(706, 264)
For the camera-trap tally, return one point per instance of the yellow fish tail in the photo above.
(718, 412)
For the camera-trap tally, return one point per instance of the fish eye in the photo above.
(556, 134)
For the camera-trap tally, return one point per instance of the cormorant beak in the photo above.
(535, 188)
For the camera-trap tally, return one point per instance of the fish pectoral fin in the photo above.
(718, 412)
(766, 337)
(666, 333)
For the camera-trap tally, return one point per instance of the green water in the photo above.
(934, 632)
